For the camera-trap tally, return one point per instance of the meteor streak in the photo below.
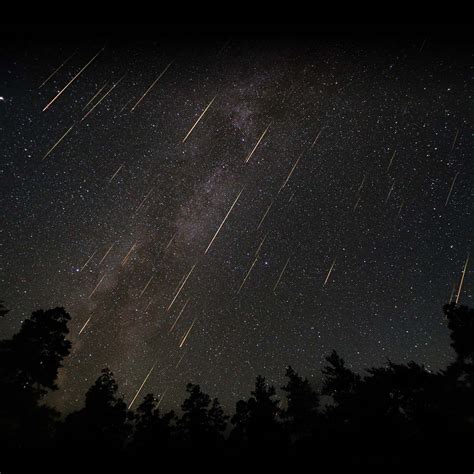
(258, 143)
(329, 273)
(390, 192)
(315, 140)
(455, 140)
(187, 334)
(71, 81)
(291, 172)
(225, 218)
(247, 275)
(161, 398)
(198, 120)
(391, 160)
(85, 324)
(171, 241)
(116, 173)
(56, 70)
(141, 386)
(356, 204)
(97, 286)
(281, 274)
(265, 215)
(143, 202)
(462, 279)
(58, 142)
(151, 87)
(125, 260)
(451, 189)
(88, 260)
(106, 253)
(95, 95)
(146, 286)
(362, 183)
(179, 315)
(181, 287)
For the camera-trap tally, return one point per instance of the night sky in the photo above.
(322, 201)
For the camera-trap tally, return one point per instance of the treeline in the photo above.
(393, 414)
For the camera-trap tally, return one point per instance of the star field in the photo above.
(340, 221)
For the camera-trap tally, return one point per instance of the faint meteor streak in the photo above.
(151, 87)
(329, 273)
(391, 161)
(198, 120)
(462, 279)
(225, 218)
(181, 287)
(125, 260)
(187, 334)
(356, 204)
(71, 81)
(95, 95)
(116, 173)
(106, 253)
(179, 361)
(179, 315)
(258, 143)
(281, 274)
(146, 286)
(96, 286)
(315, 140)
(85, 324)
(103, 97)
(161, 398)
(400, 209)
(88, 260)
(362, 183)
(291, 172)
(56, 70)
(451, 189)
(171, 241)
(265, 215)
(141, 386)
(59, 141)
(390, 192)
(455, 139)
(247, 275)
(148, 305)
(143, 202)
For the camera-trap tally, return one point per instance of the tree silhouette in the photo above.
(29, 364)
(104, 420)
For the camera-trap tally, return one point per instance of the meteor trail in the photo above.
(85, 324)
(390, 192)
(106, 253)
(179, 315)
(151, 87)
(462, 279)
(97, 286)
(148, 305)
(455, 140)
(187, 334)
(253, 263)
(225, 218)
(451, 189)
(59, 141)
(71, 81)
(179, 361)
(281, 274)
(146, 286)
(329, 273)
(362, 183)
(200, 117)
(258, 143)
(265, 215)
(143, 202)
(95, 95)
(181, 287)
(88, 260)
(291, 172)
(356, 204)
(124, 261)
(391, 160)
(56, 70)
(171, 240)
(161, 398)
(116, 173)
(315, 140)
(141, 386)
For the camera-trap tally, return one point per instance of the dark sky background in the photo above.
(359, 142)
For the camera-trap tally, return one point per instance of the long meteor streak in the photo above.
(187, 334)
(85, 324)
(141, 386)
(106, 253)
(451, 189)
(179, 315)
(71, 81)
(329, 273)
(391, 161)
(225, 218)
(462, 279)
(198, 120)
(247, 275)
(116, 173)
(146, 286)
(125, 260)
(265, 215)
(281, 274)
(291, 172)
(181, 287)
(59, 141)
(143, 201)
(96, 286)
(95, 95)
(88, 260)
(151, 87)
(56, 70)
(258, 143)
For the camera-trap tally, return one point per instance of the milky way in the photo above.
(216, 209)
